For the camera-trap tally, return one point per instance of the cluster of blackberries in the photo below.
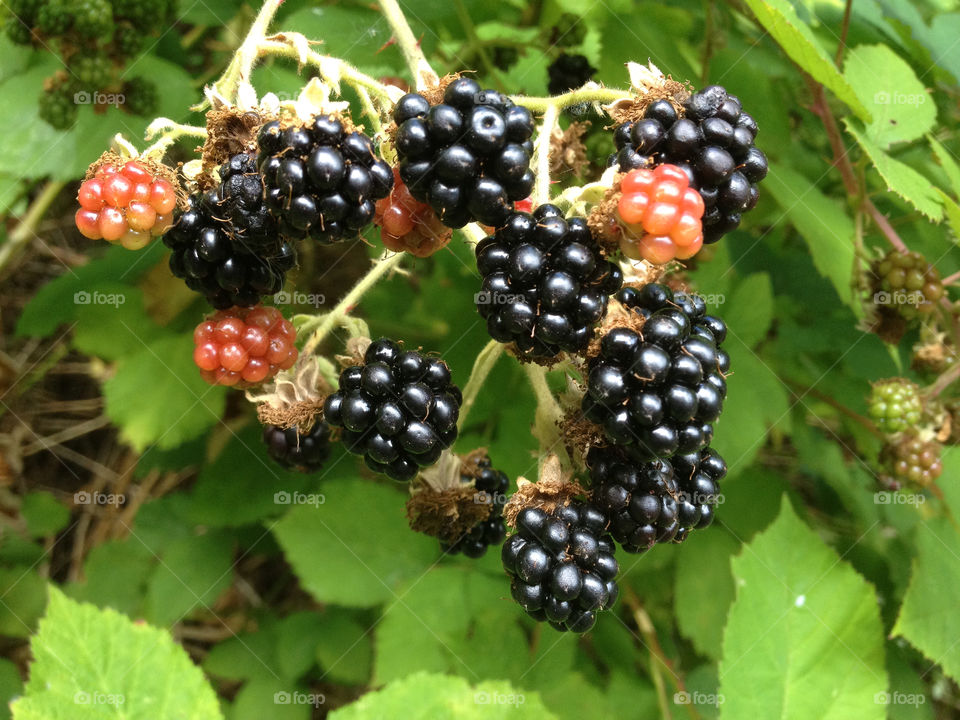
(906, 283)
(303, 452)
(910, 460)
(94, 38)
(398, 409)
(712, 142)
(545, 284)
(568, 72)
(322, 180)
(491, 487)
(467, 157)
(657, 392)
(562, 566)
(225, 244)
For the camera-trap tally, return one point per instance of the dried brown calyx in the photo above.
(554, 488)
(444, 502)
(230, 131)
(648, 84)
(294, 398)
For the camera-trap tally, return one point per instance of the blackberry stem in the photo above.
(241, 65)
(343, 308)
(947, 378)
(26, 229)
(423, 75)
(574, 97)
(547, 415)
(951, 279)
(169, 133)
(482, 365)
(541, 191)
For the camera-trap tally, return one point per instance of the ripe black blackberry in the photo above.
(639, 498)
(562, 566)
(545, 284)
(698, 477)
(322, 181)
(303, 452)
(712, 142)
(467, 157)
(225, 245)
(398, 409)
(493, 484)
(657, 392)
(568, 72)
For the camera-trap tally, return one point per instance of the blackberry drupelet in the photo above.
(92, 69)
(562, 566)
(545, 284)
(467, 157)
(225, 245)
(291, 449)
(93, 19)
(494, 484)
(906, 283)
(641, 499)
(698, 477)
(712, 142)
(322, 181)
(21, 18)
(398, 409)
(657, 391)
(568, 72)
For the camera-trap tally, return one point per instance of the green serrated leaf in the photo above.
(900, 177)
(90, 664)
(824, 225)
(337, 557)
(10, 686)
(901, 107)
(425, 696)
(705, 563)
(115, 575)
(928, 617)
(952, 211)
(156, 396)
(780, 19)
(947, 162)
(803, 638)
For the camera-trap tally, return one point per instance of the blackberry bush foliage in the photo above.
(712, 141)
(467, 157)
(322, 179)
(545, 284)
(561, 565)
(226, 245)
(398, 409)
(658, 390)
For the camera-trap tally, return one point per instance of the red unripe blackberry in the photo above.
(711, 141)
(561, 565)
(130, 205)
(408, 225)
(659, 215)
(910, 461)
(241, 347)
(906, 283)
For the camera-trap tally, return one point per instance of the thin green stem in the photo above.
(26, 230)
(241, 66)
(547, 416)
(169, 134)
(541, 191)
(944, 381)
(423, 75)
(574, 97)
(482, 366)
(343, 308)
